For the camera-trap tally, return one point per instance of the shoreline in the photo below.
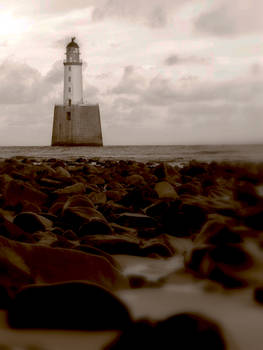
(150, 232)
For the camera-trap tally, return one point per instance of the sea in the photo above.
(175, 154)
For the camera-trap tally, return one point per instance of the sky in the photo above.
(163, 71)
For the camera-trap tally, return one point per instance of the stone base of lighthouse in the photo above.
(77, 125)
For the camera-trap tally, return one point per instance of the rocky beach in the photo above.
(121, 254)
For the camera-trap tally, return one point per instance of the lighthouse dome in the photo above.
(72, 44)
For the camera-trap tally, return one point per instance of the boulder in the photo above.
(32, 222)
(78, 200)
(24, 264)
(135, 180)
(135, 220)
(62, 172)
(165, 190)
(86, 220)
(71, 305)
(181, 331)
(98, 198)
(77, 188)
(223, 264)
(18, 191)
(116, 195)
(114, 244)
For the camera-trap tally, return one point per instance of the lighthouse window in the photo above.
(68, 115)
(69, 78)
(69, 89)
(69, 68)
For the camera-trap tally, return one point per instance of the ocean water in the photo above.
(178, 155)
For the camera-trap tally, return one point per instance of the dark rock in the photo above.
(86, 220)
(139, 197)
(62, 172)
(157, 247)
(114, 244)
(134, 180)
(23, 264)
(194, 169)
(184, 220)
(165, 190)
(98, 198)
(95, 180)
(77, 188)
(219, 231)
(92, 250)
(254, 218)
(258, 294)
(182, 331)
(78, 200)
(72, 305)
(32, 222)
(18, 191)
(71, 235)
(116, 195)
(245, 192)
(220, 263)
(50, 183)
(192, 188)
(136, 220)
(189, 331)
(29, 206)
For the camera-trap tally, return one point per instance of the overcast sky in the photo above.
(163, 71)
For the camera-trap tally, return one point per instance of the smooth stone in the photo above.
(62, 172)
(86, 220)
(136, 220)
(71, 305)
(114, 244)
(98, 198)
(18, 191)
(77, 188)
(181, 331)
(135, 180)
(95, 180)
(92, 250)
(165, 190)
(223, 264)
(32, 263)
(116, 195)
(32, 222)
(78, 200)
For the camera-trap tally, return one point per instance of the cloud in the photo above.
(177, 59)
(150, 13)
(19, 83)
(228, 18)
(188, 110)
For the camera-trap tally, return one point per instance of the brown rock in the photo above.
(77, 188)
(32, 222)
(86, 220)
(62, 172)
(134, 180)
(78, 200)
(24, 264)
(136, 220)
(98, 198)
(18, 191)
(71, 305)
(95, 180)
(165, 190)
(114, 244)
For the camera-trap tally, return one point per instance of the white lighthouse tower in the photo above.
(75, 123)
(73, 91)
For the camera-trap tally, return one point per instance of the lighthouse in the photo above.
(75, 123)
(73, 90)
